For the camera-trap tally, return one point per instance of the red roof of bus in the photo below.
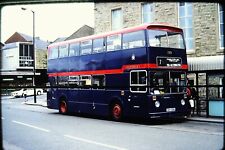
(161, 26)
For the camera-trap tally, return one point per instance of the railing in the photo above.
(26, 61)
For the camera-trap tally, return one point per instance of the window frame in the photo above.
(91, 48)
(75, 80)
(143, 40)
(103, 48)
(192, 50)
(219, 23)
(151, 13)
(120, 41)
(60, 51)
(86, 86)
(139, 85)
(113, 20)
(98, 87)
(54, 56)
(78, 44)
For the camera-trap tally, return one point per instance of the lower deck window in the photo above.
(138, 81)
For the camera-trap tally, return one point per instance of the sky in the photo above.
(51, 20)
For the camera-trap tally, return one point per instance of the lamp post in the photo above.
(35, 100)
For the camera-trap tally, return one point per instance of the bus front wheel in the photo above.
(116, 112)
(63, 108)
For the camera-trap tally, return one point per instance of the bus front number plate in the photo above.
(170, 109)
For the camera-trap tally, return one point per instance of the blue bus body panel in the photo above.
(98, 102)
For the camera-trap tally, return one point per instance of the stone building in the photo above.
(204, 35)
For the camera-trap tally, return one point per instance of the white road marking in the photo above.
(94, 142)
(28, 125)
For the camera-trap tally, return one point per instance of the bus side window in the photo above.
(98, 81)
(74, 49)
(134, 39)
(63, 51)
(114, 42)
(73, 81)
(98, 45)
(85, 47)
(53, 53)
(63, 81)
(85, 81)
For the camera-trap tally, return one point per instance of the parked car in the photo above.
(27, 92)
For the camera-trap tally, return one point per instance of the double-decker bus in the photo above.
(134, 72)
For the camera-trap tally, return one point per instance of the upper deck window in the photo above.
(85, 47)
(63, 51)
(160, 38)
(114, 42)
(74, 49)
(53, 53)
(134, 39)
(98, 45)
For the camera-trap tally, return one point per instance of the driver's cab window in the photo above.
(138, 81)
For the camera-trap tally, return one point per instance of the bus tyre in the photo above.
(63, 108)
(116, 112)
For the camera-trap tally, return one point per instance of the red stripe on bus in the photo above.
(113, 71)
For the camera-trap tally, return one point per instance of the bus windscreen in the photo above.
(160, 38)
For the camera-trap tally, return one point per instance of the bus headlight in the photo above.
(157, 104)
(182, 102)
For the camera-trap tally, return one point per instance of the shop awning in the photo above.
(205, 63)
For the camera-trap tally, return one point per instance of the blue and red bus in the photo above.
(133, 72)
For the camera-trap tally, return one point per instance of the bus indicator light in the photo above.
(122, 93)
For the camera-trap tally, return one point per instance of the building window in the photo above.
(221, 29)
(26, 55)
(186, 23)
(117, 19)
(147, 13)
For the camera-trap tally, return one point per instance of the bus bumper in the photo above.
(170, 114)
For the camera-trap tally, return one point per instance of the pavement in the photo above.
(43, 103)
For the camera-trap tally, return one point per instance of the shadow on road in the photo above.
(155, 121)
